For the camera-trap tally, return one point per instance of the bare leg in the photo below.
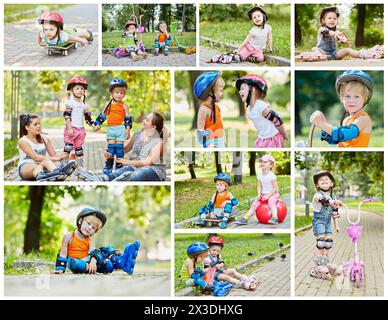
(31, 170)
(224, 277)
(48, 165)
(342, 53)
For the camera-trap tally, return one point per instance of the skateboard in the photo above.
(217, 220)
(64, 50)
(311, 56)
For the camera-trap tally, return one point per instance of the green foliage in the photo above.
(302, 221)
(10, 149)
(235, 252)
(11, 9)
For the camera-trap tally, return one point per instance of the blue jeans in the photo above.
(139, 174)
(322, 221)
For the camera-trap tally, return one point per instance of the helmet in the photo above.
(161, 22)
(196, 248)
(117, 82)
(355, 75)
(51, 17)
(328, 9)
(204, 83)
(90, 211)
(321, 174)
(253, 80)
(77, 80)
(130, 23)
(267, 157)
(215, 240)
(223, 177)
(256, 8)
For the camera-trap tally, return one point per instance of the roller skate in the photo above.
(108, 166)
(333, 268)
(320, 270)
(251, 282)
(129, 256)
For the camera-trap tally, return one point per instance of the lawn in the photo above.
(10, 149)
(225, 32)
(10, 9)
(190, 195)
(239, 248)
(113, 39)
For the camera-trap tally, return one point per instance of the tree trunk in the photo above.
(252, 162)
(217, 159)
(360, 25)
(32, 230)
(298, 30)
(298, 124)
(192, 165)
(183, 19)
(193, 99)
(242, 110)
(237, 166)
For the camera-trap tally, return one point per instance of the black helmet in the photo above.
(328, 9)
(321, 174)
(90, 211)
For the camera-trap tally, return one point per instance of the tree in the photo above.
(192, 165)
(252, 163)
(217, 159)
(237, 167)
(361, 9)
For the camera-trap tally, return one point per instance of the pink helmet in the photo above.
(267, 157)
(254, 80)
(77, 80)
(51, 17)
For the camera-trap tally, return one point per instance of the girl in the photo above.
(355, 89)
(268, 123)
(267, 190)
(119, 123)
(259, 36)
(208, 88)
(131, 43)
(76, 109)
(329, 35)
(53, 34)
(37, 154)
(162, 40)
(80, 255)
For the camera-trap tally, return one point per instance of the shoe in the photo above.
(67, 169)
(156, 52)
(241, 221)
(145, 55)
(273, 220)
(136, 58)
(223, 224)
(129, 256)
(49, 176)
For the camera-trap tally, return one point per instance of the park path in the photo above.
(115, 284)
(174, 59)
(21, 48)
(371, 250)
(205, 53)
(343, 63)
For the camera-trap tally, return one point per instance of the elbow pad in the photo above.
(275, 118)
(168, 41)
(210, 206)
(128, 122)
(67, 114)
(341, 134)
(60, 263)
(100, 119)
(234, 202)
(88, 118)
(324, 201)
(202, 136)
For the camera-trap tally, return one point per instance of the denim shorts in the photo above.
(20, 171)
(322, 223)
(116, 133)
(217, 142)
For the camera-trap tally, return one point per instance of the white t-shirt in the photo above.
(265, 128)
(77, 113)
(259, 36)
(318, 195)
(266, 181)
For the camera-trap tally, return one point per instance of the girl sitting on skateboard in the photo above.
(208, 88)
(37, 153)
(269, 125)
(53, 33)
(79, 254)
(325, 207)
(329, 36)
(162, 40)
(267, 190)
(355, 89)
(214, 264)
(221, 203)
(131, 43)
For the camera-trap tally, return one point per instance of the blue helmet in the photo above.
(355, 75)
(204, 83)
(223, 177)
(117, 82)
(196, 248)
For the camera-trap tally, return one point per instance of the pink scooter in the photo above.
(354, 268)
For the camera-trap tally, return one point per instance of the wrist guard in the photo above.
(60, 263)
(128, 122)
(100, 119)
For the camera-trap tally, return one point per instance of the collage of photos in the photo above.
(190, 151)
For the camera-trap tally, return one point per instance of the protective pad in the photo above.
(341, 134)
(61, 263)
(228, 208)
(111, 149)
(77, 265)
(119, 150)
(88, 118)
(128, 122)
(321, 243)
(79, 152)
(100, 119)
(234, 202)
(329, 243)
(68, 147)
(275, 118)
(67, 114)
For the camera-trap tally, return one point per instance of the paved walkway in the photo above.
(342, 63)
(21, 48)
(115, 284)
(371, 250)
(172, 60)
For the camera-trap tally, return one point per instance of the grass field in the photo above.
(10, 9)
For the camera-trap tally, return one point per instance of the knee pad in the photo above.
(119, 150)
(321, 243)
(228, 208)
(79, 152)
(68, 147)
(77, 265)
(105, 267)
(108, 251)
(329, 244)
(111, 149)
(98, 255)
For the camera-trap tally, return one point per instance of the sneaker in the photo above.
(241, 221)
(67, 169)
(156, 52)
(273, 220)
(223, 224)
(130, 254)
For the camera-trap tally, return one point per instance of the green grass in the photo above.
(9, 259)
(10, 149)
(190, 195)
(225, 32)
(371, 207)
(10, 9)
(235, 252)
(113, 39)
(302, 221)
(232, 132)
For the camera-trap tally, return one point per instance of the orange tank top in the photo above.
(220, 199)
(362, 141)
(162, 37)
(216, 128)
(116, 113)
(78, 248)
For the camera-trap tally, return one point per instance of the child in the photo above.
(208, 88)
(214, 260)
(53, 33)
(162, 40)
(119, 123)
(259, 36)
(76, 109)
(131, 43)
(79, 254)
(221, 203)
(355, 89)
(329, 35)
(325, 208)
(268, 123)
(267, 190)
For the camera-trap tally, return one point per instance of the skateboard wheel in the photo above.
(49, 52)
(209, 224)
(65, 53)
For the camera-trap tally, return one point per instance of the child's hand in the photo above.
(127, 134)
(219, 266)
(212, 215)
(84, 42)
(337, 228)
(70, 132)
(317, 118)
(92, 266)
(285, 136)
(107, 155)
